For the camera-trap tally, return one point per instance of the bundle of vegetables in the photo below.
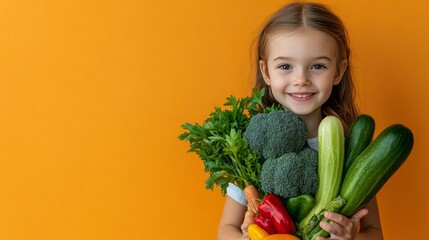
(368, 165)
(220, 144)
(263, 150)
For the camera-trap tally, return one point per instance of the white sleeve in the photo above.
(236, 193)
(312, 142)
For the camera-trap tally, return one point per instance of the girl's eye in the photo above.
(318, 66)
(285, 67)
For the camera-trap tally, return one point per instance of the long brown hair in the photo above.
(315, 16)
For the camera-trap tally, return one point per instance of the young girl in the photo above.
(304, 64)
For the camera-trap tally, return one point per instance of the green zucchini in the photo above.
(374, 166)
(330, 167)
(358, 138)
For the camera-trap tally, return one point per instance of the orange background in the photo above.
(93, 93)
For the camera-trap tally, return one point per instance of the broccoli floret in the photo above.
(282, 176)
(310, 178)
(273, 134)
(291, 174)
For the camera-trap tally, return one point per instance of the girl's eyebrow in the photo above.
(289, 58)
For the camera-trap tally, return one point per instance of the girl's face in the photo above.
(301, 69)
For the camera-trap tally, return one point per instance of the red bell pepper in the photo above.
(272, 208)
(265, 223)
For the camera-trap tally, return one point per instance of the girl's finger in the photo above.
(248, 219)
(359, 215)
(332, 228)
(321, 238)
(338, 218)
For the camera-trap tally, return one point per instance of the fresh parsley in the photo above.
(219, 142)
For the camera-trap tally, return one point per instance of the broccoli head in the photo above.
(273, 134)
(291, 174)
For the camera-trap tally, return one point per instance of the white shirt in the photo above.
(237, 194)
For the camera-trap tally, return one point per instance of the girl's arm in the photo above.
(348, 228)
(231, 221)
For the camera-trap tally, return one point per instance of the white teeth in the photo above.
(301, 95)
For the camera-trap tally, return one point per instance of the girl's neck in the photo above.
(312, 122)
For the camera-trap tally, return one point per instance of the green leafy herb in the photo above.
(220, 144)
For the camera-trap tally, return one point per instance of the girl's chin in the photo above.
(297, 110)
(302, 111)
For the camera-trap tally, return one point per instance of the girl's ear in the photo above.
(263, 68)
(341, 70)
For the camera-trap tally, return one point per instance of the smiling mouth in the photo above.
(296, 95)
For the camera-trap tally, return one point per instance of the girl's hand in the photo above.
(342, 227)
(248, 219)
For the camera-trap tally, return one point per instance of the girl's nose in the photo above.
(301, 79)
